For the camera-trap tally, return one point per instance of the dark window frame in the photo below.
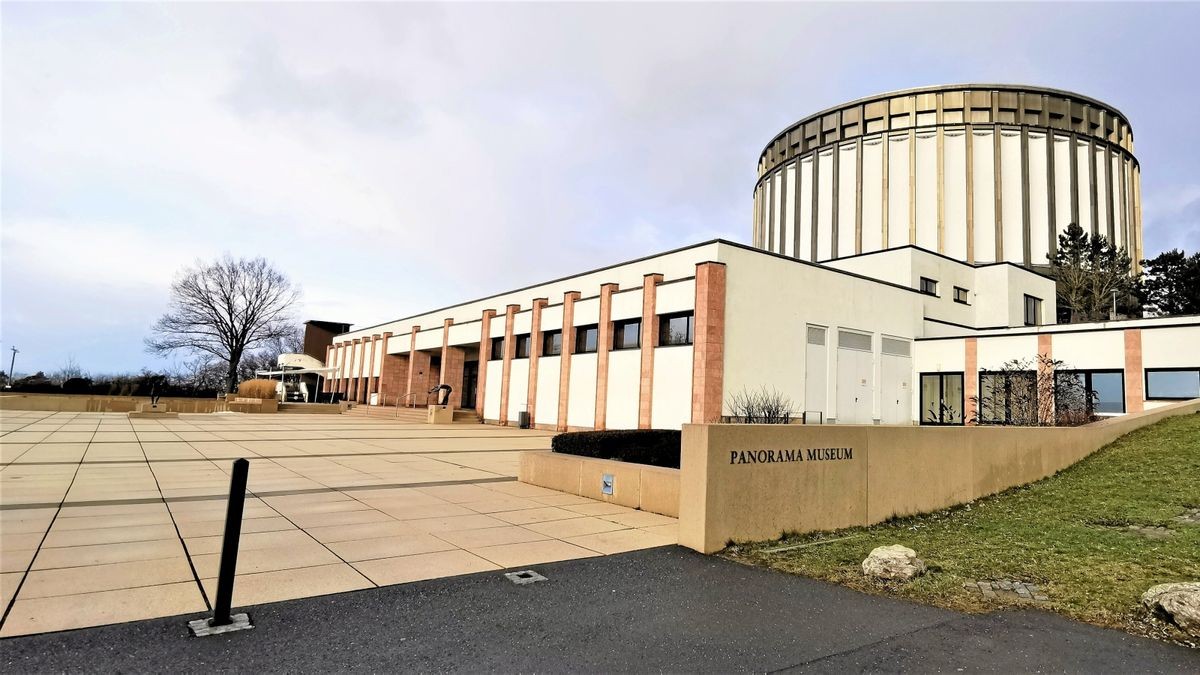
(524, 340)
(1037, 310)
(547, 343)
(496, 342)
(933, 286)
(1030, 375)
(618, 333)
(1146, 382)
(962, 397)
(1087, 383)
(966, 295)
(581, 341)
(664, 321)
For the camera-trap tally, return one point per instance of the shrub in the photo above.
(765, 406)
(656, 447)
(257, 389)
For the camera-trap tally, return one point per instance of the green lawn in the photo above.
(1063, 533)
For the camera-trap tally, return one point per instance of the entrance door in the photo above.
(469, 383)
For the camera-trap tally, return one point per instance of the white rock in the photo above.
(1180, 601)
(893, 562)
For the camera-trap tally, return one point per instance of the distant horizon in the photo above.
(370, 149)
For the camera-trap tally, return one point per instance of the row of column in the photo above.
(1133, 379)
(707, 352)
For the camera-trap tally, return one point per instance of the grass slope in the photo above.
(1063, 533)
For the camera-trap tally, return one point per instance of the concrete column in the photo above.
(451, 371)
(368, 376)
(351, 374)
(485, 355)
(383, 357)
(393, 376)
(414, 362)
(509, 351)
(1045, 379)
(325, 384)
(603, 345)
(970, 380)
(535, 351)
(568, 348)
(649, 341)
(1135, 383)
(342, 383)
(708, 348)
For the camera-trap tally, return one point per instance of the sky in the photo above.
(392, 158)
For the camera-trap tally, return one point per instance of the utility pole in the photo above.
(11, 363)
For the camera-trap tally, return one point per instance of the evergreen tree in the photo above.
(1088, 271)
(1171, 285)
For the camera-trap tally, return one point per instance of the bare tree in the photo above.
(69, 371)
(765, 406)
(225, 308)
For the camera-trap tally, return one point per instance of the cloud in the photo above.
(396, 157)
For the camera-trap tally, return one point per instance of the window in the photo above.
(961, 294)
(928, 286)
(1089, 392)
(497, 349)
(941, 398)
(587, 338)
(1008, 397)
(851, 340)
(551, 342)
(1033, 311)
(1173, 383)
(627, 334)
(524, 342)
(675, 329)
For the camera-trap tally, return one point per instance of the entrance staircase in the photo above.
(406, 415)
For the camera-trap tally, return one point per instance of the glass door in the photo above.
(941, 398)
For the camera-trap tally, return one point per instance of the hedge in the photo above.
(656, 447)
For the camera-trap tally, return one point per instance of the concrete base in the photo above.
(146, 410)
(201, 628)
(440, 414)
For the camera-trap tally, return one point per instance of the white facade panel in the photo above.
(927, 191)
(898, 191)
(872, 194)
(491, 398)
(627, 304)
(581, 399)
(518, 387)
(1039, 200)
(679, 296)
(847, 177)
(1102, 193)
(552, 317)
(983, 171)
(1012, 197)
(671, 397)
(825, 205)
(1118, 203)
(776, 216)
(1171, 347)
(939, 356)
(587, 312)
(789, 212)
(954, 200)
(546, 410)
(994, 352)
(496, 326)
(624, 383)
(816, 376)
(1084, 176)
(1092, 349)
(1062, 184)
(459, 334)
(804, 246)
(426, 339)
(522, 322)
(895, 389)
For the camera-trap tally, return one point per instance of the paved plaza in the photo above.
(106, 519)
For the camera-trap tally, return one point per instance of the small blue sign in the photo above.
(606, 484)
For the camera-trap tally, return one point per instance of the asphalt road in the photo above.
(666, 609)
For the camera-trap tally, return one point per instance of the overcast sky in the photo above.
(392, 158)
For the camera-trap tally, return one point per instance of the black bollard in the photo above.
(229, 547)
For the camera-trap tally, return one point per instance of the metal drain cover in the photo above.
(524, 577)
